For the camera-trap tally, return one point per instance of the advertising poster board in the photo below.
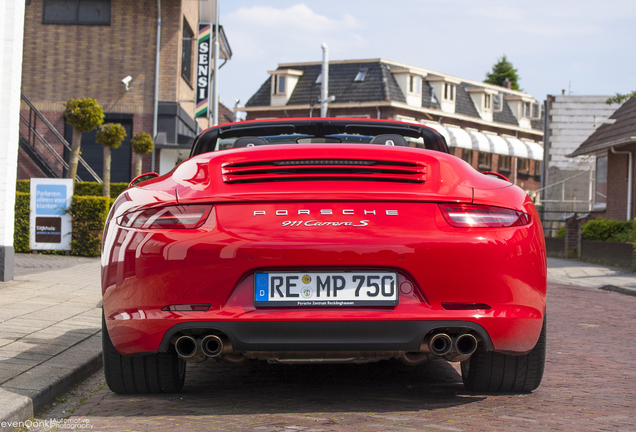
(203, 70)
(50, 220)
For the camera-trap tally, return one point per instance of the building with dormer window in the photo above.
(491, 127)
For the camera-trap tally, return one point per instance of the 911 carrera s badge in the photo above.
(315, 223)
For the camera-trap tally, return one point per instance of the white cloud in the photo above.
(299, 16)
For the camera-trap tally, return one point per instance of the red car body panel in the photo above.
(144, 270)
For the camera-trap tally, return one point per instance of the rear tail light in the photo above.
(480, 216)
(173, 217)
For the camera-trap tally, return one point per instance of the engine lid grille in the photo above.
(324, 169)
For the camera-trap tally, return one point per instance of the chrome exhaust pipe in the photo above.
(463, 347)
(189, 349)
(212, 345)
(440, 344)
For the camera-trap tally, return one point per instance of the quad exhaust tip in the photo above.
(212, 345)
(465, 344)
(440, 344)
(186, 347)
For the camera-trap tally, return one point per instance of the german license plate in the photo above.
(326, 289)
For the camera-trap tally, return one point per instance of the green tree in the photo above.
(110, 135)
(500, 71)
(84, 115)
(141, 144)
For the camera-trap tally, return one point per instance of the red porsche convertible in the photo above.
(336, 240)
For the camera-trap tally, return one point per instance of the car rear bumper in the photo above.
(146, 270)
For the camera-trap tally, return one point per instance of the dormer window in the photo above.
(415, 84)
(536, 111)
(482, 98)
(279, 84)
(445, 90)
(526, 109)
(361, 74)
(497, 103)
(283, 84)
(522, 108)
(449, 91)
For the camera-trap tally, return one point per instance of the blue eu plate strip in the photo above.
(262, 286)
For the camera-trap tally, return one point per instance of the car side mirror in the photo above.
(142, 178)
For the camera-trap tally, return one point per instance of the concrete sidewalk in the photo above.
(573, 272)
(50, 324)
(50, 332)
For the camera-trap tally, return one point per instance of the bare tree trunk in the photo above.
(76, 144)
(106, 173)
(138, 164)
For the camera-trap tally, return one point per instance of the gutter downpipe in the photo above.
(629, 179)
(156, 116)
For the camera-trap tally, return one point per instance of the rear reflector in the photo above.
(480, 216)
(187, 308)
(465, 306)
(173, 217)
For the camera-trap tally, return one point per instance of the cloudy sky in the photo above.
(585, 47)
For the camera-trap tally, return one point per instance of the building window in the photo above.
(497, 102)
(186, 52)
(279, 84)
(537, 168)
(523, 165)
(415, 84)
(487, 101)
(526, 109)
(449, 91)
(536, 111)
(91, 12)
(467, 155)
(504, 163)
(485, 160)
(600, 196)
(361, 74)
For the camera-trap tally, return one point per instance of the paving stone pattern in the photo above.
(28, 264)
(589, 385)
(49, 324)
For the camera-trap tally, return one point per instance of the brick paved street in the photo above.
(589, 385)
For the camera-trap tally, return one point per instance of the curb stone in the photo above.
(27, 394)
(616, 289)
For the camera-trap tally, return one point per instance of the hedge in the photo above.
(609, 230)
(89, 216)
(22, 222)
(79, 188)
(95, 189)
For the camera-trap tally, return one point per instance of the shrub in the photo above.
(23, 186)
(95, 189)
(84, 114)
(561, 232)
(22, 222)
(608, 230)
(89, 215)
